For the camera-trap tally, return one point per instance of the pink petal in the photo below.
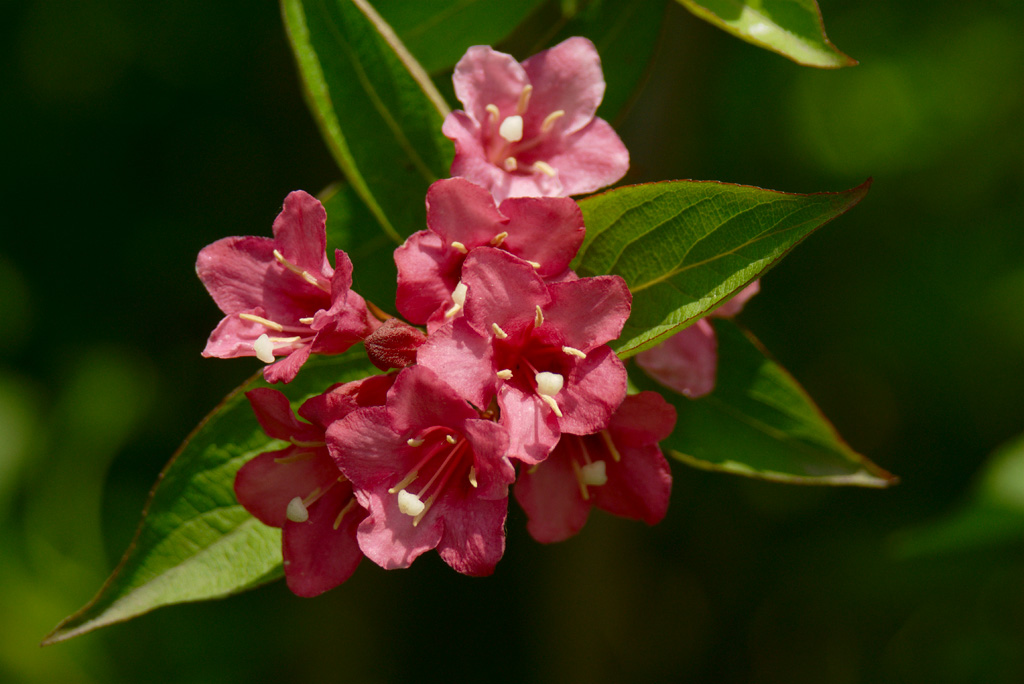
(388, 537)
(463, 358)
(590, 159)
(494, 472)
(459, 210)
(342, 399)
(533, 428)
(300, 233)
(474, 536)
(550, 495)
(639, 486)
(419, 399)
(644, 418)
(427, 275)
(234, 270)
(735, 305)
(593, 391)
(274, 413)
(318, 557)
(501, 289)
(287, 368)
(588, 312)
(484, 76)
(265, 485)
(685, 362)
(233, 337)
(568, 77)
(547, 230)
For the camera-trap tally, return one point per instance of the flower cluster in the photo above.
(501, 377)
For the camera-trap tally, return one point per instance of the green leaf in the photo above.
(195, 541)
(439, 32)
(683, 247)
(792, 28)
(758, 422)
(350, 227)
(377, 109)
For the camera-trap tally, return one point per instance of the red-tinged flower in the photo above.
(301, 490)
(541, 349)
(545, 231)
(280, 295)
(620, 469)
(529, 129)
(687, 362)
(432, 474)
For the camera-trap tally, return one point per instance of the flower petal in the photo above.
(474, 536)
(566, 77)
(266, 484)
(317, 555)
(550, 495)
(485, 76)
(593, 391)
(427, 274)
(588, 312)
(300, 233)
(533, 429)
(590, 159)
(735, 304)
(685, 362)
(501, 289)
(544, 230)
(274, 413)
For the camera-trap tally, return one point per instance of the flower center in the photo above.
(445, 454)
(506, 143)
(590, 471)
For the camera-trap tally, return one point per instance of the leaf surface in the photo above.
(792, 28)
(759, 422)
(195, 541)
(377, 109)
(683, 247)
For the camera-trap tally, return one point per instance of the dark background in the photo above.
(136, 133)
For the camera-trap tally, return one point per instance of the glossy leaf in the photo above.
(195, 541)
(792, 28)
(758, 422)
(377, 109)
(683, 247)
(439, 32)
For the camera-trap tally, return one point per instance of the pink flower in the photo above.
(280, 295)
(620, 470)
(432, 474)
(529, 129)
(301, 490)
(688, 361)
(545, 231)
(539, 348)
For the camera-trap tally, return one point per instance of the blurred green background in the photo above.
(136, 133)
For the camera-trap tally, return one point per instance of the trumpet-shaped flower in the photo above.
(545, 231)
(280, 295)
(539, 348)
(301, 490)
(529, 129)
(431, 472)
(620, 469)
(687, 362)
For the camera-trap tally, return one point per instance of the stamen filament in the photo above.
(538, 320)
(573, 351)
(459, 247)
(306, 321)
(607, 438)
(524, 99)
(499, 238)
(579, 479)
(348, 507)
(440, 485)
(277, 327)
(552, 404)
(498, 332)
(550, 119)
(495, 114)
(302, 273)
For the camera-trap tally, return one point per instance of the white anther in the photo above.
(306, 321)
(262, 321)
(535, 264)
(544, 168)
(505, 374)
(498, 332)
(459, 247)
(492, 109)
(524, 99)
(459, 297)
(499, 238)
(550, 119)
(573, 351)
(549, 384)
(538, 319)
(511, 164)
(297, 511)
(414, 442)
(264, 348)
(410, 504)
(450, 439)
(472, 476)
(593, 474)
(511, 128)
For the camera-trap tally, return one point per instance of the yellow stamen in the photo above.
(262, 321)
(498, 332)
(524, 99)
(607, 438)
(573, 351)
(499, 238)
(492, 109)
(544, 168)
(550, 119)
(538, 320)
(459, 247)
(348, 507)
